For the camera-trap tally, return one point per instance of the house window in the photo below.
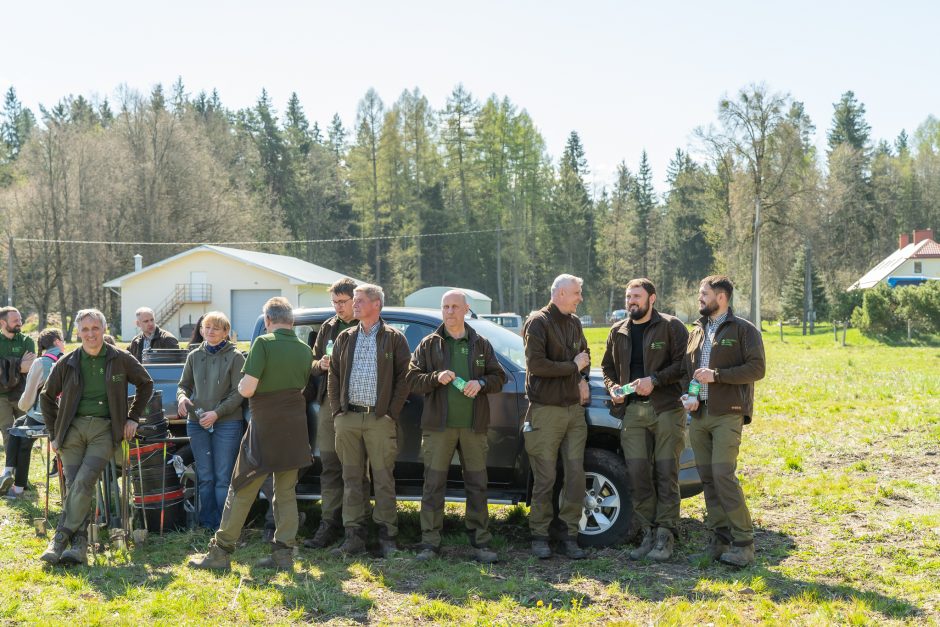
(918, 268)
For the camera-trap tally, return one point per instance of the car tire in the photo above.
(608, 489)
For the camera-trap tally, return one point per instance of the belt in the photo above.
(362, 409)
(636, 398)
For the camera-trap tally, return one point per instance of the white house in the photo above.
(214, 278)
(916, 259)
(431, 297)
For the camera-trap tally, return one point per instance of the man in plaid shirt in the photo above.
(725, 354)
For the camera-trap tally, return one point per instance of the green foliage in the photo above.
(792, 299)
(921, 305)
(878, 314)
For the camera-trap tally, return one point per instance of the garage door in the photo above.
(246, 307)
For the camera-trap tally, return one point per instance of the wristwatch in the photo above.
(654, 380)
(482, 383)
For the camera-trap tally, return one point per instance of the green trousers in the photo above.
(358, 437)
(85, 452)
(9, 412)
(556, 430)
(331, 477)
(238, 504)
(651, 446)
(437, 449)
(715, 442)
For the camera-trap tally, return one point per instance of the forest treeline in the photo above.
(456, 193)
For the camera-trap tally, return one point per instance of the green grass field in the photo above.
(841, 468)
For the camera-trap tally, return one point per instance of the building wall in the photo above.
(224, 274)
(930, 268)
(313, 296)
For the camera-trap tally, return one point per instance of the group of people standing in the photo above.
(361, 371)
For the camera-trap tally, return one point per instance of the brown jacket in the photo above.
(66, 378)
(664, 344)
(329, 330)
(431, 357)
(552, 340)
(392, 365)
(737, 356)
(161, 339)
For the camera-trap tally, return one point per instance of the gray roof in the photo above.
(297, 270)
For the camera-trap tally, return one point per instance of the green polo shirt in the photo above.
(94, 391)
(18, 346)
(459, 407)
(280, 361)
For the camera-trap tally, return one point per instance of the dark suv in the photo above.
(606, 518)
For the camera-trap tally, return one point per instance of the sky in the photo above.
(627, 76)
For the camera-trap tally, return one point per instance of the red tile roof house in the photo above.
(916, 260)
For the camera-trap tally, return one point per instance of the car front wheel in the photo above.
(608, 510)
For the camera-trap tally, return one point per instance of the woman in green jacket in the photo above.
(208, 396)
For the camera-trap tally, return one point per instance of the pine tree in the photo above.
(793, 297)
(16, 124)
(644, 199)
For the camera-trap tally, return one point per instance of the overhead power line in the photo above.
(266, 242)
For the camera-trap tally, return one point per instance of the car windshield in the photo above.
(504, 341)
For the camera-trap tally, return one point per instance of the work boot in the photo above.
(327, 533)
(216, 559)
(281, 558)
(571, 550)
(6, 481)
(53, 553)
(665, 543)
(427, 553)
(78, 553)
(646, 545)
(540, 548)
(353, 544)
(740, 556)
(484, 555)
(715, 548)
(388, 547)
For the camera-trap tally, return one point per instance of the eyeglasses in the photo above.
(339, 303)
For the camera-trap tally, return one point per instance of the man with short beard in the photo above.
(151, 336)
(725, 355)
(17, 353)
(645, 351)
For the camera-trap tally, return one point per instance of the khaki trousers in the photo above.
(360, 436)
(85, 451)
(651, 446)
(437, 448)
(556, 430)
(715, 442)
(238, 504)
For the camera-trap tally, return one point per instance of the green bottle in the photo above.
(459, 383)
(329, 348)
(627, 389)
(694, 388)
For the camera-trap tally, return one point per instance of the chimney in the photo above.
(138, 262)
(922, 234)
(903, 240)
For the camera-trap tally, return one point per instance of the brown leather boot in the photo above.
(216, 559)
(353, 544)
(281, 558)
(327, 533)
(53, 552)
(740, 556)
(665, 543)
(646, 545)
(78, 552)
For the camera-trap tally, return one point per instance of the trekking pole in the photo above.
(125, 509)
(47, 464)
(140, 472)
(163, 490)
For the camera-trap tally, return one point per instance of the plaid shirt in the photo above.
(363, 379)
(706, 355)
